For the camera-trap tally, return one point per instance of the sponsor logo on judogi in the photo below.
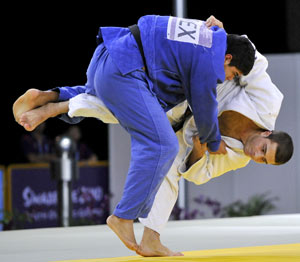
(189, 31)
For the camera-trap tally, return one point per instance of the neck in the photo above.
(248, 132)
(236, 125)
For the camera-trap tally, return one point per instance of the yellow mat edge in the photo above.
(269, 252)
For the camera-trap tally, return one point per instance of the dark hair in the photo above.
(285, 146)
(242, 51)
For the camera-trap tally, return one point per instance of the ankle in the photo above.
(48, 96)
(150, 236)
(123, 220)
(53, 96)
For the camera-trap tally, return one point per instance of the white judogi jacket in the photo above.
(255, 96)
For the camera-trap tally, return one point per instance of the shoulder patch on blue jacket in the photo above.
(189, 31)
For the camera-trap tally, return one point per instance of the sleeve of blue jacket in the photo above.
(206, 71)
(66, 93)
(202, 100)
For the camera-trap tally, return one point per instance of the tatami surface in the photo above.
(197, 239)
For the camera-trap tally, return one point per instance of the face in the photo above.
(260, 148)
(230, 71)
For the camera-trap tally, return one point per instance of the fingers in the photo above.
(222, 149)
(197, 144)
(224, 146)
(196, 139)
(209, 21)
(212, 21)
(203, 147)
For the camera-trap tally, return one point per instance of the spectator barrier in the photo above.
(31, 196)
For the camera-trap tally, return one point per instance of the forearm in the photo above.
(206, 123)
(194, 157)
(197, 152)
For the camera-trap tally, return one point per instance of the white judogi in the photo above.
(255, 96)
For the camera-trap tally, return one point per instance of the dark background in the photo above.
(50, 44)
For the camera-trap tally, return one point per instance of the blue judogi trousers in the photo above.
(154, 144)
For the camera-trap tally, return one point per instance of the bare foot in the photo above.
(152, 247)
(124, 230)
(32, 98)
(32, 118)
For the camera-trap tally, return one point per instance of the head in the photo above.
(239, 57)
(269, 147)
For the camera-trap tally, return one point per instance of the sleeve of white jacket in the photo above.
(212, 165)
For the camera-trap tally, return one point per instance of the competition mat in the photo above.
(274, 253)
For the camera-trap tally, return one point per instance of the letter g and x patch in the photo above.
(189, 31)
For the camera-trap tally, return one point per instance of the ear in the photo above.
(266, 133)
(228, 58)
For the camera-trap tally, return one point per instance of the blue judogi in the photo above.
(184, 60)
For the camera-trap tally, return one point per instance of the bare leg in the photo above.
(152, 247)
(124, 230)
(32, 118)
(32, 98)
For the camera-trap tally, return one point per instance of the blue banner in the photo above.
(34, 198)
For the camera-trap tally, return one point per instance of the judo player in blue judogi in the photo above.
(143, 71)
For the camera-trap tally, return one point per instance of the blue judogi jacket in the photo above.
(185, 60)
